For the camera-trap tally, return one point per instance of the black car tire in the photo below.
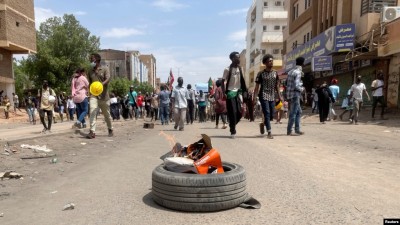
(199, 192)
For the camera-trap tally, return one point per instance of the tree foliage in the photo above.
(63, 46)
(120, 86)
(22, 80)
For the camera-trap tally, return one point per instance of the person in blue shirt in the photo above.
(335, 93)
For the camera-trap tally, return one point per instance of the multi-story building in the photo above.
(150, 63)
(338, 38)
(17, 36)
(266, 19)
(131, 65)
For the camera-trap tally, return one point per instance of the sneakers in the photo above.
(181, 129)
(233, 136)
(91, 135)
(83, 125)
(298, 133)
(176, 127)
(224, 127)
(269, 136)
(44, 131)
(76, 126)
(110, 132)
(262, 128)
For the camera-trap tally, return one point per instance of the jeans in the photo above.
(375, 100)
(294, 115)
(71, 112)
(82, 109)
(49, 113)
(31, 114)
(268, 111)
(164, 112)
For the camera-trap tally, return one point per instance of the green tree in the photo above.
(22, 80)
(63, 45)
(120, 86)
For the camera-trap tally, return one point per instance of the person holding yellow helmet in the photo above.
(99, 77)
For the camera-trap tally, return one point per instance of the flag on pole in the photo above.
(210, 86)
(170, 79)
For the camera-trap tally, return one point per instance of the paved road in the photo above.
(335, 174)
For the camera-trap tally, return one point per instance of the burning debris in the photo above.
(199, 157)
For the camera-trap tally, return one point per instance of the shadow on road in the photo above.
(147, 199)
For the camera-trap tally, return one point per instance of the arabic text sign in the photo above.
(321, 63)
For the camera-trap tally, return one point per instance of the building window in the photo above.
(308, 36)
(263, 51)
(266, 4)
(295, 11)
(264, 28)
(275, 51)
(277, 27)
(305, 4)
(304, 38)
(375, 6)
(278, 3)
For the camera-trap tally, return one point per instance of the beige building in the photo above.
(315, 29)
(266, 20)
(150, 62)
(17, 36)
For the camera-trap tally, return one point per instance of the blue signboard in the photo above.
(344, 37)
(335, 39)
(321, 63)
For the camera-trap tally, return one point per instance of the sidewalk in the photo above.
(17, 127)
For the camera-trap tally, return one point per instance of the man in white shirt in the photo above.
(377, 88)
(179, 100)
(356, 94)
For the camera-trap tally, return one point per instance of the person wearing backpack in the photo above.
(233, 85)
(325, 97)
(47, 102)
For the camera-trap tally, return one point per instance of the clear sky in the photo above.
(193, 37)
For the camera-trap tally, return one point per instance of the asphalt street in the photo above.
(336, 173)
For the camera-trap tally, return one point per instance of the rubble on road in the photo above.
(10, 175)
(37, 148)
(69, 206)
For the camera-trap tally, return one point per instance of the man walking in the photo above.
(30, 107)
(99, 73)
(16, 103)
(334, 88)
(357, 95)
(164, 105)
(191, 100)
(133, 107)
(267, 83)
(294, 88)
(47, 100)
(179, 99)
(377, 87)
(233, 83)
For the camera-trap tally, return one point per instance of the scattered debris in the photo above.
(53, 192)
(10, 175)
(54, 160)
(1, 214)
(83, 143)
(148, 125)
(37, 148)
(386, 131)
(5, 153)
(67, 161)
(38, 156)
(69, 206)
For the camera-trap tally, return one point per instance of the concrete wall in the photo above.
(20, 31)
(393, 81)
(25, 7)
(5, 64)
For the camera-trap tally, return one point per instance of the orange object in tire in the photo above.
(211, 159)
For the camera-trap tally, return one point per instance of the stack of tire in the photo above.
(199, 192)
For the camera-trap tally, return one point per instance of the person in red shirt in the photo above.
(140, 101)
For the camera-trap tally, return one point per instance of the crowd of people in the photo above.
(229, 101)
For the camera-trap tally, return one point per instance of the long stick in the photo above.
(38, 157)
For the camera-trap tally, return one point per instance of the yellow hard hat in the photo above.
(279, 106)
(96, 88)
